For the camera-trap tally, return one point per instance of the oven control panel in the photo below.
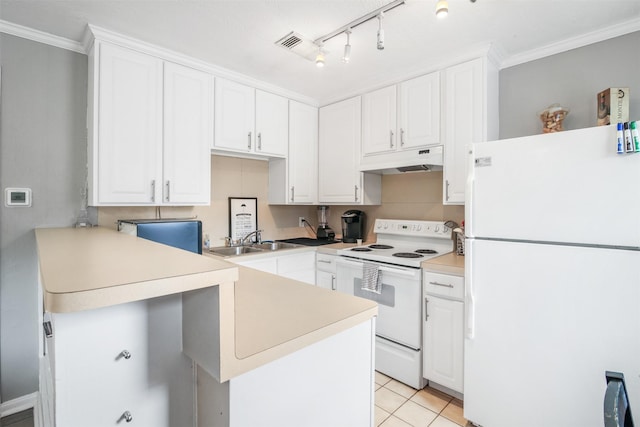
(412, 228)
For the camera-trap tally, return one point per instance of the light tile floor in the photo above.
(398, 405)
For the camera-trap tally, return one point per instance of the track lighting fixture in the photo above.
(347, 48)
(380, 44)
(320, 57)
(442, 8)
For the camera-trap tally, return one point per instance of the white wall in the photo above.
(43, 147)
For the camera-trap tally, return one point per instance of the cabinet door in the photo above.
(268, 265)
(272, 117)
(379, 121)
(234, 116)
(464, 91)
(419, 113)
(303, 151)
(188, 135)
(444, 342)
(129, 146)
(326, 279)
(339, 152)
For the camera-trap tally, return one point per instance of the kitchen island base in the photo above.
(329, 383)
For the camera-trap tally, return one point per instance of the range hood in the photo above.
(418, 160)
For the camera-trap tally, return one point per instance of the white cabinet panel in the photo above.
(339, 179)
(444, 342)
(419, 111)
(188, 134)
(469, 94)
(126, 154)
(234, 116)
(149, 134)
(294, 180)
(326, 271)
(272, 124)
(379, 121)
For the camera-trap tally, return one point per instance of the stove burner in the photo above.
(407, 255)
(361, 249)
(426, 251)
(381, 246)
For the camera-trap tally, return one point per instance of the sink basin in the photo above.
(234, 250)
(275, 246)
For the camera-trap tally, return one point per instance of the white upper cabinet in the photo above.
(250, 121)
(125, 149)
(400, 119)
(188, 133)
(379, 121)
(471, 115)
(339, 178)
(150, 131)
(234, 116)
(419, 111)
(272, 124)
(294, 180)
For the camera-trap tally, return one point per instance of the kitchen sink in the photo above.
(234, 250)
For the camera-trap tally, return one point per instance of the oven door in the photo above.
(399, 303)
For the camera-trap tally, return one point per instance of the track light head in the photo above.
(320, 58)
(380, 44)
(347, 48)
(442, 9)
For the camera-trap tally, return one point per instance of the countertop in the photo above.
(86, 268)
(262, 316)
(450, 263)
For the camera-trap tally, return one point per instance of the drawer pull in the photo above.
(125, 354)
(446, 285)
(324, 261)
(127, 416)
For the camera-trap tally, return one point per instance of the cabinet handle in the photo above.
(292, 192)
(126, 354)
(260, 141)
(324, 261)
(356, 193)
(168, 187)
(402, 137)
(426, 315)
(333, 282)
(446, 194)
(391, 138)
(446, 285)
(249, 143)
(126, 416)
(153, 190)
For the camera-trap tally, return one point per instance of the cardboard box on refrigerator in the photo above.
(613, 106)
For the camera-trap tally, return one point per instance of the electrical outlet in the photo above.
(301, 221)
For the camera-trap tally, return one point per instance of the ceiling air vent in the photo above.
(298, 44)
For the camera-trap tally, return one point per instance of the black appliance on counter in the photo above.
(353, 226)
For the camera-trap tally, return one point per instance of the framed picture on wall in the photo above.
(243, 216)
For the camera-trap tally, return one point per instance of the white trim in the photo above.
(573, 43)
(40, 36)
(19, 404)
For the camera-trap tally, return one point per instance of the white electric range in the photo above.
(400, 248)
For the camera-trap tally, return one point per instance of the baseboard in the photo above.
(19, 404)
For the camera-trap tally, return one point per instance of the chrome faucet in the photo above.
(256, 233)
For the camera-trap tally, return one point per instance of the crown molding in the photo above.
(573, 43)
(40, 36)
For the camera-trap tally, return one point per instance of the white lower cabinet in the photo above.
(443, 333)
(326, 271)
(120, 363)
(299, 266)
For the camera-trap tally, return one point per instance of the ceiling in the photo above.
(240, 35)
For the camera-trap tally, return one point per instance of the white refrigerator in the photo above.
(552, 279)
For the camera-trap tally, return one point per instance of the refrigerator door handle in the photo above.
(468, 291)
(469, 192)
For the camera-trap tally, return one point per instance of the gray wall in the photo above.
(43, 147)
(572, 79)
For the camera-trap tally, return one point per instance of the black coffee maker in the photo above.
(353, 226)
